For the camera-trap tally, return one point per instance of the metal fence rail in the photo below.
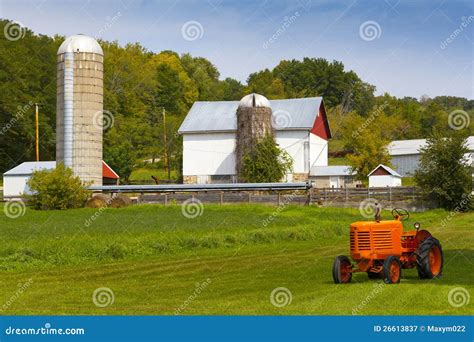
(201, 187)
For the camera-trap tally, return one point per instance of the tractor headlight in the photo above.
(417, 225)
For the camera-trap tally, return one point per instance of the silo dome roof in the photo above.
(80, 43)
(254, 100)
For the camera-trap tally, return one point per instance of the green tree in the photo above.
(57, 189)
(366, 143)
(205, 75)
(231, 89)
(444, 173)
(265, 162)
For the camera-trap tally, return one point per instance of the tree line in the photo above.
(141, 88)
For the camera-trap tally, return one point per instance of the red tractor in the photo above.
(382, 249)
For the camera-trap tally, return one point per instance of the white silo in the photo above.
(79, 107)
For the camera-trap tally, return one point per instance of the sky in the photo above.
(403, 47)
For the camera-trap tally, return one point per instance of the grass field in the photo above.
(144, 174)
(225, 261)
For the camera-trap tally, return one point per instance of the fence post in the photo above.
(347, 195)
(390, 195)
(279, 198)
(166, 199)
(368, 192)
(222, 198)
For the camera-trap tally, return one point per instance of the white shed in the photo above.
(15, 180)
(383, 176)
(333, 176)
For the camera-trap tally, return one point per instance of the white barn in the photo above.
(209, 138)
(383, 176)
(406, 154)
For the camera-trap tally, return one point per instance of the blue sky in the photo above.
(408, 55)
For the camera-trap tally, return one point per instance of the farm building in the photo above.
(406, 154)
(383, 176)
(209, 131)
(336, 176)
(15, 180)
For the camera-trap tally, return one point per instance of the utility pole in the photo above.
(166, 145)
(37, 132)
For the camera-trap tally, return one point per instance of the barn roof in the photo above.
(27, 168)
(331, 170)
(220, 116)
(108, 172)
(413, 146)
(388, 169)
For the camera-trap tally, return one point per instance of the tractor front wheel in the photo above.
(392, 270)
(342, 270)
(429, 258)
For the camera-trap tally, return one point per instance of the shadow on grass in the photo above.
(456, 271)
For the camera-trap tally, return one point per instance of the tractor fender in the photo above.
(421, 235)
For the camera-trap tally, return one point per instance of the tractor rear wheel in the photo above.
(342, 270)
(429, 258)
(392, 270)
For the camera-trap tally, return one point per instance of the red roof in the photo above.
(107, 171)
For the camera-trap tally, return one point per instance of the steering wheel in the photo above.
(403, 214)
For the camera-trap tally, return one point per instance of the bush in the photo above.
(444, 173)
(57, 189)
(266, 162)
